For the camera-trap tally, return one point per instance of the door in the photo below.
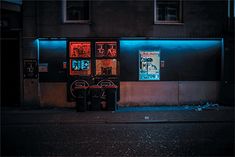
(10, 68)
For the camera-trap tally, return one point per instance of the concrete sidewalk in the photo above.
(163, 114)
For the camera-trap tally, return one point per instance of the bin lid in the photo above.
(81, 87)
(111, 86)
(95, 86)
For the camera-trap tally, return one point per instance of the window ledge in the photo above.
(168, 23)
(77, 22)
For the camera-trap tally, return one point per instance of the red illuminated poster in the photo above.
(106, 49)
(80, 49)
(106, 67)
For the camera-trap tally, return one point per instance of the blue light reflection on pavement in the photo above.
(170, 108)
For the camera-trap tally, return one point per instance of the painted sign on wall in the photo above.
(149, 65)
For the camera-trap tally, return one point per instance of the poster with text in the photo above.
(106, 67)
(79, 49)
(149, 65)
(106, 49)
(80, 67)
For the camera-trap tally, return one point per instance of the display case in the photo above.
(93, 63)
(80, 58)
(106, 59)
(107, 73)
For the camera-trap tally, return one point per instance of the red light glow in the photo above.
(80, 49)
(106, 49)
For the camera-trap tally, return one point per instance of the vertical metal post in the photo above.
(178, 88)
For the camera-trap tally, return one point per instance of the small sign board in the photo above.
(64, 65)
(162, 64)
(43, 67)
(30, 68)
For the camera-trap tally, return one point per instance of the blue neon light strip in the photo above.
(171, 50)
(52, 44)
(175, 45)
(51, 48)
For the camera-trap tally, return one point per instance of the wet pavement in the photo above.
(64, 132)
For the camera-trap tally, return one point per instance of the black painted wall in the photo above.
(185, 60)
(53, 53)
(119, 18)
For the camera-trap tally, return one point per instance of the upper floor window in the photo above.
(76, 11)
(167, 11)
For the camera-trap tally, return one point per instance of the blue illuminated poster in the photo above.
(149, 65)
(80, 64)
(85, 64)
(75, 64)
(80, 67)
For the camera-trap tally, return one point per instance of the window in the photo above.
(231, 10)
(76, 11)
(167, 11)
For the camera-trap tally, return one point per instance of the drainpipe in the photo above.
(37, 46)
(178, 88)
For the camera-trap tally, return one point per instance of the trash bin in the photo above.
(81, 98)
(95, 92)
(111, 97)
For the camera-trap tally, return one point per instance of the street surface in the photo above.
(60, 133)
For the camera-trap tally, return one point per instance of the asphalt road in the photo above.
(118, 139)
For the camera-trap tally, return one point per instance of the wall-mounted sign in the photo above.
(80, 67)
(162, 64)
(43, 67)
(30, 68)
(79, 49)
(106, 67)
(149, 65)
(64, 65)
(106, 49)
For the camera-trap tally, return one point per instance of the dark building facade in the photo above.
(11, 33)
(191, 44)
